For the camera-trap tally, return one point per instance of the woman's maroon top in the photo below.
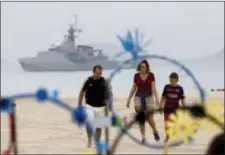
(144, 86)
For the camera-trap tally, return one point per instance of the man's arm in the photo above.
(109, 94)
(108, 83)
(82, 91)
(108, 89)
(81, 95)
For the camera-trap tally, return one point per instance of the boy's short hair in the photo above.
(174, 75)
(97, 67)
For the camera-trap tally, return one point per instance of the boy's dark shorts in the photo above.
(168, 113)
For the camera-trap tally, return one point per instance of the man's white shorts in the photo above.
(96, 115)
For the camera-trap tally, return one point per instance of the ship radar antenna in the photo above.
(76, 29)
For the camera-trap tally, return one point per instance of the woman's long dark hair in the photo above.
(147, 66)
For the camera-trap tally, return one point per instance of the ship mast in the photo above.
(76, 31)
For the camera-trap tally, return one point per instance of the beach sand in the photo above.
(46, 128)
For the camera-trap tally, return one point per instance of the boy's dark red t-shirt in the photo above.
(172, 95)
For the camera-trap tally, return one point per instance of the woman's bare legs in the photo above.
(141, 126)
(142, 130)
(152, 124)
(150, 107)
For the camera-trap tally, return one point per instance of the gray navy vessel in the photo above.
(68, 56)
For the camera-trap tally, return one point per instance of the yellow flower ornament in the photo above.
(182, 125)
(216, 110)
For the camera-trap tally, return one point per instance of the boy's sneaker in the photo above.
(156, 136)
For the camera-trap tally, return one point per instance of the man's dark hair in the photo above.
(143, 62)
(97, 67)
(174, 75)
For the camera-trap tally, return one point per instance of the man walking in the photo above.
(97, 92)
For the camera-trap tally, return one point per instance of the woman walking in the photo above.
(144, 88)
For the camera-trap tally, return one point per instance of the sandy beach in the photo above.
(46, 128)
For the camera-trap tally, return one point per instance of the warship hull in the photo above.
(30, 65)
(68, 57)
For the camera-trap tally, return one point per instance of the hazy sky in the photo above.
(179, 29)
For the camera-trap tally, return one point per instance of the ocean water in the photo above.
(69, 83)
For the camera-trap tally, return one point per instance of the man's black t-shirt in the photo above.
(96, 91)
(172, 95)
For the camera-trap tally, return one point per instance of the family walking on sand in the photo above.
(98, 93)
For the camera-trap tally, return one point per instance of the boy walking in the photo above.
(171, 96)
